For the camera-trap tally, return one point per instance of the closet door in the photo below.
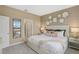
(4, 31)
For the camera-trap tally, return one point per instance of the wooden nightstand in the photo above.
(74, 43)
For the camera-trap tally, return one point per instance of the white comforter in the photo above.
(48, 44)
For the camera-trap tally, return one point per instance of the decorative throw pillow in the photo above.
(60, 34)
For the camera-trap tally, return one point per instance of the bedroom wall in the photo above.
(11, 12)
(72, 20)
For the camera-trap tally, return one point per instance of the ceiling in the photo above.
(40, 10)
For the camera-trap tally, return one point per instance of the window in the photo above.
(16, 28)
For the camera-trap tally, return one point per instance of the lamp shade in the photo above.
(43, 27)
(75, 29)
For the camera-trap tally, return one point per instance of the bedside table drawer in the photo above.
(74, 45)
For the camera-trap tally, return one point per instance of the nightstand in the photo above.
(74, 43)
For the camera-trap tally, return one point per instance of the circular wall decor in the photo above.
(61, 20)
(59, 15)
(65, 14)
(55, 20)
(49, 17)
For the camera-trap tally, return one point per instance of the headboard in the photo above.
(59, 28)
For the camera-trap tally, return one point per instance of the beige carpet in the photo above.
(24, 49)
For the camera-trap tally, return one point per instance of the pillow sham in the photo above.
(51, 34)
(60, 34)
(56, 33)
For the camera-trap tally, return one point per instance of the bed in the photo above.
(46, 44)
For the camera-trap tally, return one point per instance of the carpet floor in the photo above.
(24, 49)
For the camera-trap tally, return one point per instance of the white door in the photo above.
(4, 30)
(29, 28)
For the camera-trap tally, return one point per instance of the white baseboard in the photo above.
(15, 44)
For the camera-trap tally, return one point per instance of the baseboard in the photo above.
(15, 44)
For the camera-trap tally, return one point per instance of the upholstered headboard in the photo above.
(59, 27)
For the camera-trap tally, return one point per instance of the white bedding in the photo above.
(49, 44)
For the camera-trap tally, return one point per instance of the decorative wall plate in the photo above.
(50, 17)
(59, 15)
(65, 14)
(61, 20)
(55, 20)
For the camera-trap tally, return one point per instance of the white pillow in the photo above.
(60, 34)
